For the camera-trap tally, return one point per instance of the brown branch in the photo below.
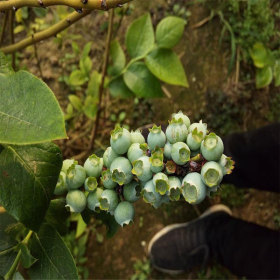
(47, 33)
(77, 4)
(4, 27)
(101, 87)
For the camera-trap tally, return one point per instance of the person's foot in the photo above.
(180, 247)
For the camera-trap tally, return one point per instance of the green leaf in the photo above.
(169, 31)
(27, 260)
(86, 50)
(166, 66)
(76, 102)
(90, 106)
(18, 276)
(261, 55)
(7, 254)
(54, 258)
(93, 85)
(5, 67)
(39, 12)
(28, 176)
(263, 77)
(29, 111)
(77, 78)
(86, 65)
(277, 73)
(142, 82)
(118, 88)
(140, 36)
(57, 215)
(81, 227)
(118, 58)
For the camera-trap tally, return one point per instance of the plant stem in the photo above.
(4, 27)
(12, 37)
(47, 33)
(101, 87)
(77, 4)
(11, 272)
(237, 65)
(37, 59)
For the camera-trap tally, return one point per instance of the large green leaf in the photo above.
(118, 58)
(29, 111)
(140, 36)
(28, 176)
(264, 77)
(142, 82)
(166, 66)
(7, 254)
(169, 31)
(54, 258)
(119, 89)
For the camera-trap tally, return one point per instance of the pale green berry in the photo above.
(167, 150)
(211, 173)
(75, 177)
(161, 183)
(76, 201)
(161, 200)
(193, 188)
(196, 135)
(142, 168)
(174, 188)
(121, 171)
(120, 140)
(212, 147)
(93, 166)
(106, 179)
(181, 115)
(176, 131)
(124, 213)
(156, 138)
(149, 193)
(200, 127)
(132, 191)
(136, 151)
(156, 160)
(61, 186)
(180, 153)
(137, 137)
(227, 164)
(93, 200)
(67, 163)
(109, 201)
(108, 157)
(91, 184)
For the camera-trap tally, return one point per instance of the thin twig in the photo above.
(38, 59)
(47, 33)
(204, 21)
(101, 87)
(4, 27)
(12, 37)
(237, 65)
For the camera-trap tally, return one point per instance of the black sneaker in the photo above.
(180, 247)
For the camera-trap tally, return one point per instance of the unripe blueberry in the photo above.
(142, 168)
(156, 138)
(174, 188)
(124, 213)
(180, 153)
(176, 131)
(182, 116)
(200, 127)
(106, 179)
(136, 151)
(193, 188)
(132, 191)
(91, 184)
(67, 163)
(137, 137)
(76, 201)
(196, 135)
(109, 201)
(61, 186)
(121, 171)
(120, 140)
(227, 164)
(75, 177)
(156, 160)
(93, 166)
(161, 200)
(211, 173)
(108, 157)
(149, 193)
(161, 183)
(167, 150)
(212, 147)
(93, 199)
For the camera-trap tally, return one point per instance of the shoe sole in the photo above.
(212, 209)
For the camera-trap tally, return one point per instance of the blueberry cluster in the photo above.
(184, 162)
